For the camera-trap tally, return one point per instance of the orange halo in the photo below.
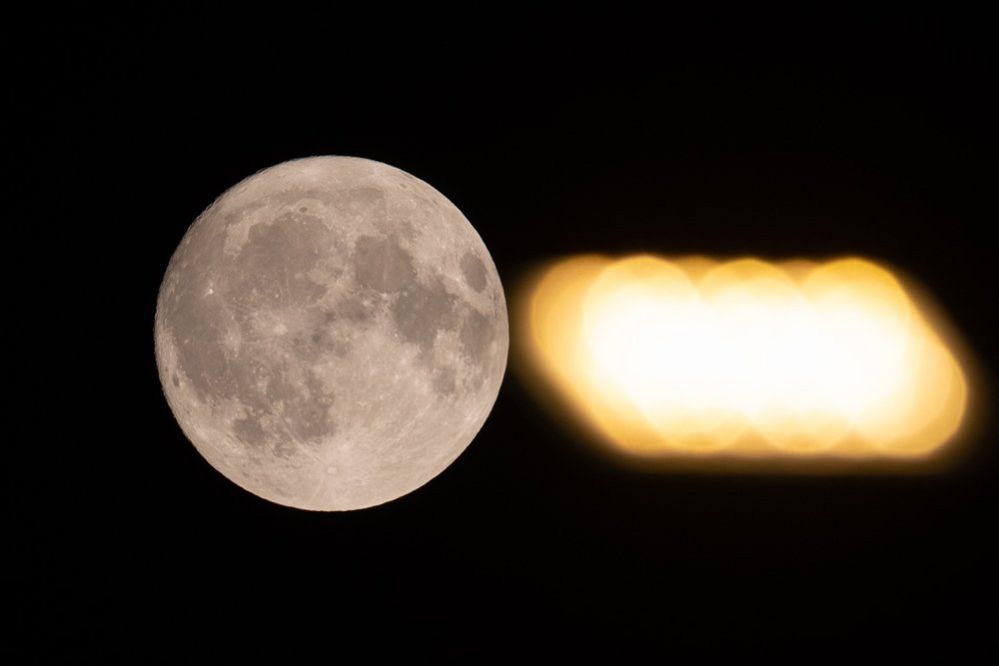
(694, 357)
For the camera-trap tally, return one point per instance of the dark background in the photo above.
(774, 135)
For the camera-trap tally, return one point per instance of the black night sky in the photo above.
(555, 133)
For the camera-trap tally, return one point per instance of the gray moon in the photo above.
(331, 333)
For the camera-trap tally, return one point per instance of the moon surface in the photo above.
(331, 333)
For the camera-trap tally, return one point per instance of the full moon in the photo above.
(331, 333)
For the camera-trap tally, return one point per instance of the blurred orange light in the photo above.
(696, 357)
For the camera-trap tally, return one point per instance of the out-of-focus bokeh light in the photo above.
(699, 358)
